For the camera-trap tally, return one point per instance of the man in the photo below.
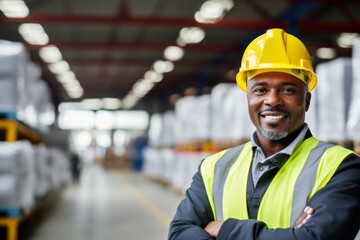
(283, 184)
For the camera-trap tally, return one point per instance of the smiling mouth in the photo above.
(274, 114)
(274, 117)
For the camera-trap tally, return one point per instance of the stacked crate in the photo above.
(353, 123)
(23, 95)
(198, 126)
(332, 98)
(13, 70)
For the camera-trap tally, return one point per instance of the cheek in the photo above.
(253, 107)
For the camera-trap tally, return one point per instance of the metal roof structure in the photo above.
(111, 44)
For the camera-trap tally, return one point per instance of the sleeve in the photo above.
(337, 212)
(193, 213)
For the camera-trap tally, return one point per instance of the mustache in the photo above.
(275, 110)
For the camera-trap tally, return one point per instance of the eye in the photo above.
(259, 91)
(288, 91)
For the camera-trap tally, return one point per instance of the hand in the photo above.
(303, 217)
(213, 228)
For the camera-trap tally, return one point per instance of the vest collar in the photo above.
(282, 155)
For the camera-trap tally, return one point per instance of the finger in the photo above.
(310, 211)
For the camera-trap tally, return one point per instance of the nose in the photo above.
(273, 98)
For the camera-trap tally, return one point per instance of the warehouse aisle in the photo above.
(110, 205)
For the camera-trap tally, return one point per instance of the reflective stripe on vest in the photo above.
(306, 171)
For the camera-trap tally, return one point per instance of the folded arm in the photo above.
(334, 214)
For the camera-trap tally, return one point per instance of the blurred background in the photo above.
(108, 107)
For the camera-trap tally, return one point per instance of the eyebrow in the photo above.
(264, 83)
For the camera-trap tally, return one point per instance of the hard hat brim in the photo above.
(242, 78)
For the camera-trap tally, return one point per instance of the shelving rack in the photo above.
(11, 131)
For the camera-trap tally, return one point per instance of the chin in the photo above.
(274, 135)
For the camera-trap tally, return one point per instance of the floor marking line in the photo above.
(145, 202)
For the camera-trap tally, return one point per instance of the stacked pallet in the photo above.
(197, 127)
(23, 95)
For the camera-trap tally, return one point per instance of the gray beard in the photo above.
(274, 135)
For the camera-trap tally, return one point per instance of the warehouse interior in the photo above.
(108, 107)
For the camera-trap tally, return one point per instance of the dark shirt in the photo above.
(337, 211)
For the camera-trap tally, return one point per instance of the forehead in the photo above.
(275, 79)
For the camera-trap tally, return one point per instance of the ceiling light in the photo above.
(104, 120)
(77, 94)
(131, 120)
(68, 76)
(63, 106)
(163, 66)
(74, 91)
(346, 40)
(173, 53)
(192, 35)
(33, 33)
(74, 119)
(59, 67)
(129, 101)
(153, 76)
(92, 103)
(111, 103)
(71, 86)
(326, 53)
(50, 54)
(142, 87)
(212, 11)
(14, 8)
(200, 18)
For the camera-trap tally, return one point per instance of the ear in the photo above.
(307, 101)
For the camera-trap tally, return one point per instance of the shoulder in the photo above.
(226, 155)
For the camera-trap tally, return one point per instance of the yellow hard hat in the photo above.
(276, 51)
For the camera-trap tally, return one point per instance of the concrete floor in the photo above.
(110, 205)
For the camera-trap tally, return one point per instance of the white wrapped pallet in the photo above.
(153, 164)
(312, 115)
(59, 167)
(230, 119)
(30, 114)
(17, 175)
(168, 158)
(43, 105)
(353, 123)
(334, 85)
(159, 163)
(185, 109)
(42, 171)
(168, 130)
(192, 119)
(236, 110)
(155, 130)
(178, 179)
(219, 126)
(13, 64)
(202, 117)
(186, 165)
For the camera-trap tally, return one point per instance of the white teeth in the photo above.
(274, 117)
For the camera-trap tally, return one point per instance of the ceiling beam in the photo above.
(145, 21)
(135, 46)
(156, 46)
(224, 23)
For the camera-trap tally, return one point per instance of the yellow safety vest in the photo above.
(307, 170)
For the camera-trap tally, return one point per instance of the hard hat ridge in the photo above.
(276, 51)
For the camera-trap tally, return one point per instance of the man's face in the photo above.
(277, 104)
